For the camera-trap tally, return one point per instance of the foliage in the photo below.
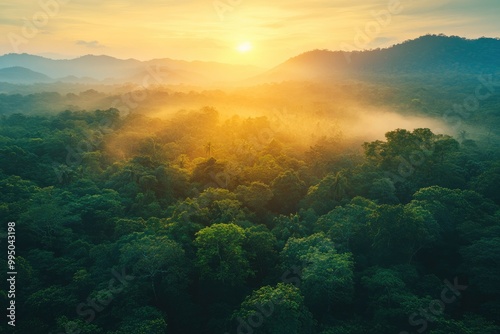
(202, 223)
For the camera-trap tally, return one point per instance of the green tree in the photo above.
(286, 227)
(143, 320)
(347, 225)
(470, 324)
(256, 196)
(98, 211)
(15, 194)
(487, 183)
(156, 258)
(260, 245)
(461, 214)
(288, 190)
(327, 194)
(48, 219)
(220, 255)
(389, 300)
(277, 310)
(482, 260)
(65, 325)
(327, 277)
(400, 232)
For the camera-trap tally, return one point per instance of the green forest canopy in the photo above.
(231, 225)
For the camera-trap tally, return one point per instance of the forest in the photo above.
(364, 205)
(202, 221)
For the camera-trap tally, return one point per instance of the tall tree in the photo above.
(156, 258)
(277, 310)
(220, 255)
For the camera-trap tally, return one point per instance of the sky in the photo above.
(256, 32)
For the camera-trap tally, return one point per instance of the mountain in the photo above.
(95, 67)
(424, 55)
(106, 69)
(21, 75)
(430, 54)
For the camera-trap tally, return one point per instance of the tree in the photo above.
(219, 206)
(487, 183)
(15, 194)
(389, 299)
(470, 324)
(277, 310)
(399, 232)
(416, 159)
(52, 300)
(125, 226)
(288, 190)
(260, 245)
(326, 277)
(66, 325)
(143, 320)
(384, 191)
(184, 220)
(211, 173)
(220, 255)
(264, 169)
(256, 196)
(351, 327)
(371, 182)
(482, 260)
(327, 194)
(347, 226)
(328, 280)
(48, 219)
(97, 212)
(289, 226)
(461, 214)
(155, 257)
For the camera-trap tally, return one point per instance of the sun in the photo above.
(244, 47)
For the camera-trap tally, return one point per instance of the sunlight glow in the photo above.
(245, 47)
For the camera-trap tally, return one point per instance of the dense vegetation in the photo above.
(285, 209)
(208, 223)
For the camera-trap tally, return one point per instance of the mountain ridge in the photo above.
(423, 55)
(21, 75)
(111, 70)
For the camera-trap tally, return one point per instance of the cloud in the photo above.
(90, 44)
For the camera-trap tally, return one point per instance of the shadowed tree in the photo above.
(220, 255)
(288, 190)
(399, 232)
(327, 277)
(276, 310)
(155, 257)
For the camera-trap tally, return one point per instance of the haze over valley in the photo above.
(220, 167)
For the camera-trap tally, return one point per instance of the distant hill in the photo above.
(111, 70)
(426, 54)
(22, 75)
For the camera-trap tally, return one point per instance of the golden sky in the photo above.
(258, 32)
